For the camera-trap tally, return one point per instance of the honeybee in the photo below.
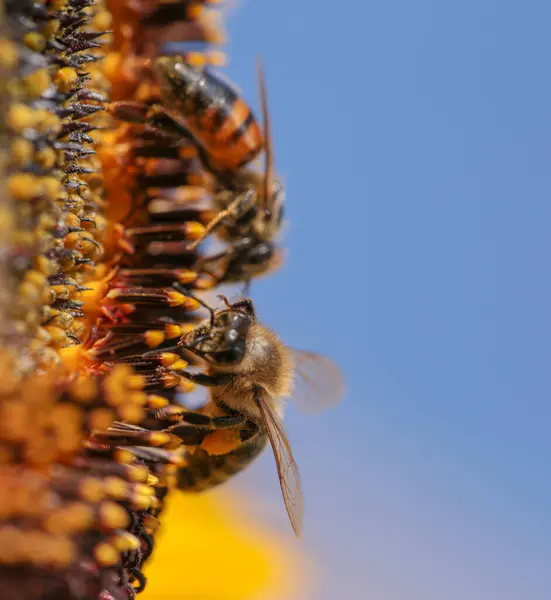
(202, 107)
(250, 373)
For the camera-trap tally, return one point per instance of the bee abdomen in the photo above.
(229, 131)
(220, 120)
(205, 471)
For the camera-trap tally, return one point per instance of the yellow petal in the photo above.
(208, 548)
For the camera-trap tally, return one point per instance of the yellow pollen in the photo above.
(106, 555)
(101, 418)
(154, 338)
(176, 298)
(179, 365)
(123, 457)
(172, 331)
(116, 487)
(154, 401)
(152, 480)
(131, 413)
(92, 298)
(35, 41)
(65, 79)
(158, 438)
(92, 489)
(168, 358)
(221, 442)
(194, 230)
(136, 382)
(113, 516)
(139, 473)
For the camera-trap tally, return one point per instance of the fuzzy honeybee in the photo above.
(249, 372)
(206, 110)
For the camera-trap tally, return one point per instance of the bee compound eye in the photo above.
(261, 253)
(231, 356)
(235, 320)
(232, 335)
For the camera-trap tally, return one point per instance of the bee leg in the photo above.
(212, 225)
(207, 380)
(199, 419)
(190, 435)
(160, 119)
(193, 427)
(129, 111)
(218, 270)
(249, 433)
(236, 208)
(217, 438)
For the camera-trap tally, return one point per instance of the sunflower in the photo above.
(88, 206)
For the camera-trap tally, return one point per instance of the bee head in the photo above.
(222, 341)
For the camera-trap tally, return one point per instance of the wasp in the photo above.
(201, 107)
(250, 373)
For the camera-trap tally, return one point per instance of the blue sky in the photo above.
(414, 139)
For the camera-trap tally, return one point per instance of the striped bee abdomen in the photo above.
(205, 471)
(218, 118)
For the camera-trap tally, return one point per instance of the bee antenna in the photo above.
(268, 150)
(246, 292)
(157, 351)
(187, 293)
(224, 300)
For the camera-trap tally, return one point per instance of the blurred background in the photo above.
(414, 139)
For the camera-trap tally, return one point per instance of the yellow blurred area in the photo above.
(209, 549)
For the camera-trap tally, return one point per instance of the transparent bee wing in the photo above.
(287, 470)
(319, 382)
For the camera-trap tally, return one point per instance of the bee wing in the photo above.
(319, 382)
(287, 470)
